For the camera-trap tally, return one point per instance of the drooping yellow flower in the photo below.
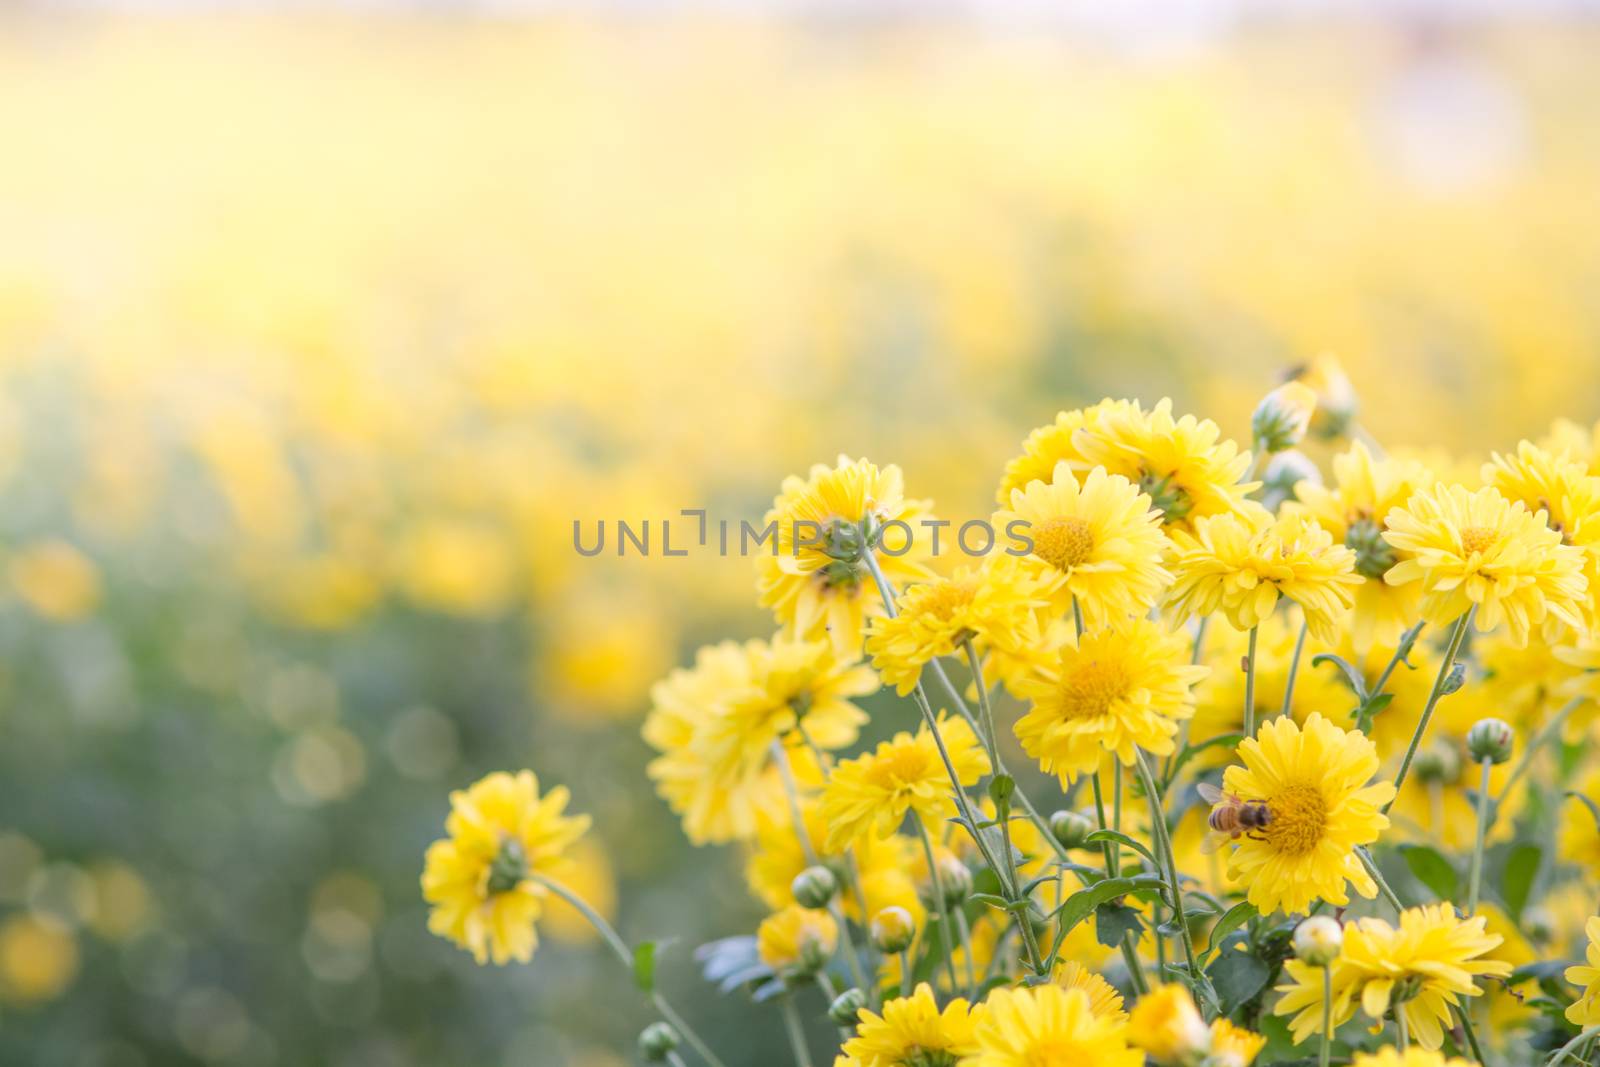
(1104, 1000)
(998, 602)
(913, 1030)
(811, 573)
(715, 725)
(1567, 494)
(796, 938)
(1480, 549)
(1234, 1046)
(1353, 511)
(1047, 1026)
(1389, 1056)
(1241, 564)
(1051, 444)
(1110, 692)
(1314, 782)
(1422, 969)
(1166, 1024)
(479, 880)
(1585, 1011)
(1097, 542)
(1184, 465)
(870, 794)
(884, 865)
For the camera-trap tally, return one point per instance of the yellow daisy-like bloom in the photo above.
(913, 1032)
(997, 602)
(1422, 970)
(870, 795)
(715, 724)
(1047, 1026)
(480, 878)
(1166, 1024)
(1478, 549)
(1097, 542)
(1052, 444)
(812, 576)
(1353, 510)
(1234, 1046)
(1314, 782)
(1184, 465)
(1389, 1056)
(1581, 444)
(1111, 692)
(1104, 1000)
(1241, 564)
(1585, 1011)
(1568, 495)
(884, 866)
(796, 938)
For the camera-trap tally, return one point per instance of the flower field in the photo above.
(733, 541)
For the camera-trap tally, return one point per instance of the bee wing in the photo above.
(1209, 793)
(1213, 841)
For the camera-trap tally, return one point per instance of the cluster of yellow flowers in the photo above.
(1326, 681)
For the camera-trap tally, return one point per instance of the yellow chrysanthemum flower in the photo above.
(796, 938)
(870, 794)
(1585, 1011)
(1353, 510)
(998, 602)
(812, 576)
(1166, 1024)
(1184, 465)
(1478, 549)
(1313, 780)
(1389, 1056)
(1097, 542)
(1104, 1000)
(1234, 1046)
(1052, 444)
(883, 865)
(1241, 564)
(1421, 970)
(1110, 692)
(1581, 444)
(1047, 1026)
(480, 878)
(715, 724)
(1568, 495)
(912, 1030)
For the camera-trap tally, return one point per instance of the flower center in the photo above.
(1091, 688)
(1064, 543)
(508, 868)
(1476, 539)
(1055, 1052)
(1299, 817)
(944, 599)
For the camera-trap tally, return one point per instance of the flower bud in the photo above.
(1318, 939)
(656, 1041)
(1337, 403)
(1454, 680)
(1070, 828)
(1166, 1024)
(956, 879)
(846, 1007)
(892, 930)
(1281, 419)
(1439, 762)
(814, 887)
(1490, 741)
(1283, 472)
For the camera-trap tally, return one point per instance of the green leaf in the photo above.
(644, 966)
(1538, 969)
(1190, 751)
(997, 902)
(1357, 681)
(1237, 976)
(1432, 870)
(1376, 704)
(1001, 786)
(1079, 905)
(1121, 838)
(1522, 866)
(1113, 921)
(1231, 920)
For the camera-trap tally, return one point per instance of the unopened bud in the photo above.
(1336, 396)
(846, 1007)
(956, 880)
(1283, 472)
(1490, 741)
(1439, 762)
(657, 1041)
(814, 887)
(1070, 828)
(1318, 939)
(1281, 419)
(892, 930)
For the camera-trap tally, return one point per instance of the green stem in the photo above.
(940, 903)
(1158, 822)
(625, 954)
(1377, 876)
(1476, 877)
(1407, 640)
(1294, 665)
(1576, 1046)
(797, 1033)
(965, 930)
(1456, 637)
(1471, 1035)
(906, 974)
(1327, 1014)
(1250, 686)
(1130, 952)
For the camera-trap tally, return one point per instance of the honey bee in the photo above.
(1231, 817)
